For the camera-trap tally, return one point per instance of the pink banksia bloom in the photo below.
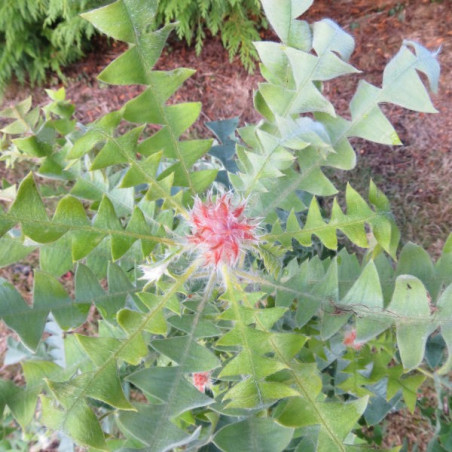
(201, 380)
(220, 230)
(350, 340)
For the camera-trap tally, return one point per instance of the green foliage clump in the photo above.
(237, 21)
(41, 35)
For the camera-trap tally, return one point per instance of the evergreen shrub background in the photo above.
(238, 22)
(41, 35)
(38, 35)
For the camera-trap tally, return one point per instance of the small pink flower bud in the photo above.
(201, 380)
(350, 340)
(220, 230)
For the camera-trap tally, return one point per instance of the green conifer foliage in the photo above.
(38, 35)
(237, 22)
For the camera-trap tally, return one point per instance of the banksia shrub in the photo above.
(212, 330)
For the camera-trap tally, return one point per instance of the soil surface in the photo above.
(416, 176)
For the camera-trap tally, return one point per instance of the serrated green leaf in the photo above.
(148, 167)
(329, 37)
(49, 295)
(352, 224)
(13, 250)
(54, 258)
(171, 387)
(194, 357)
(17, 110)
(314, 222)
(274, 70)
(444, 315)
(369, 121)
(408, 384)
(146, 425)
(366, 293)
(33, 147)
(82, 425)
(414, 324)
(402, 84)
(27, 322)
(97, 132)
(253, 435)
(117, 19)
(21, 401)
(119, 287)
(415, 261)
(339, 417)
(131, 321)
(250, 394)
(103, 349)
(259, 367)
(104, 385)
(29, 210)
(203, 327)
(203, 179)
(118, 150)
(281, 16)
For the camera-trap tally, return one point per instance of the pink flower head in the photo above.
(201, 380)
(350, 340)
(220, 231)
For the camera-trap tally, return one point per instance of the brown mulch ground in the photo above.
(416, 176)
